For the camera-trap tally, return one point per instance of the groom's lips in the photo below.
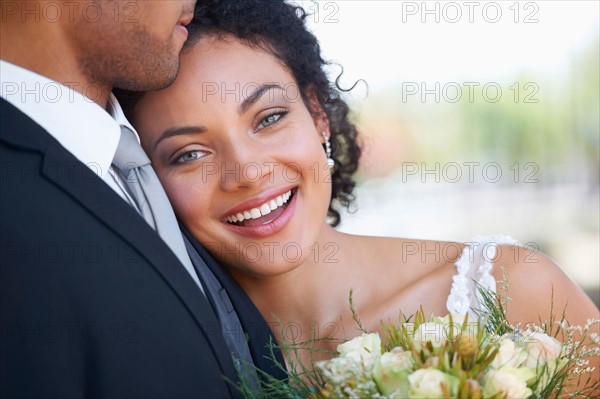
(183, 22)
(273, 226)
(183, 30)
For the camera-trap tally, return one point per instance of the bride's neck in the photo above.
(304, 294)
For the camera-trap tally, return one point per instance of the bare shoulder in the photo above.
(538, 287)
(415, 254)
(410, 273)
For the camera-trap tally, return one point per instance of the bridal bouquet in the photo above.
(452, 357)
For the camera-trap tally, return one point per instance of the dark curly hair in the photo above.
(279, 29)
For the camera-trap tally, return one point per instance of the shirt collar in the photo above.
(79, 124)
(114, 108)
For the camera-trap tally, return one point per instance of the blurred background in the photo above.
(477, 117)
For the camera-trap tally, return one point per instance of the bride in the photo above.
(256, 151)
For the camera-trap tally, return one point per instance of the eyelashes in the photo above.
(266, 121)
(271, 118)
(189, 156)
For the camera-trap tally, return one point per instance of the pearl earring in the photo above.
(330, 161)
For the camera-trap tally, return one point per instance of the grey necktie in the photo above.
(149, 196)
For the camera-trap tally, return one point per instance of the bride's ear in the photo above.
(318, 114)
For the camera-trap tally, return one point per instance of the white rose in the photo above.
(541, 348)
(391, 372)
(397, 358)
(429, 383)
(509, 354)
(430, 332)
(435, 332)
(508, 382)
(456, 319)
(361, 348)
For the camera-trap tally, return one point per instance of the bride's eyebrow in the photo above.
(256, 95)
(248, 101)
(177, 131)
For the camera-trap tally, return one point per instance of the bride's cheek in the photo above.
(179, 192)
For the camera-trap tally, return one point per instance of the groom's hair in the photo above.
(279, 29)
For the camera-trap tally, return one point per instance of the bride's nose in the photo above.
(244, 166)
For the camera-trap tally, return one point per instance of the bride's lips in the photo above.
(273, 226)
(258, 200)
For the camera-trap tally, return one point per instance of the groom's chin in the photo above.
(148, 79)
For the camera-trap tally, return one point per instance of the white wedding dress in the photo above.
(473, 268)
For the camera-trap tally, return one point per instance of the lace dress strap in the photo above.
(474, 267)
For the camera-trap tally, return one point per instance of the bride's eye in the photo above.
(272, 118)
(190, 156)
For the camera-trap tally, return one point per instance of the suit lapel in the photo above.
(62, 169)
(250, 318)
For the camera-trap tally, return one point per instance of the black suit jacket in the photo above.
(92, 302)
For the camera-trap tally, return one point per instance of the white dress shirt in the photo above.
(79, 124)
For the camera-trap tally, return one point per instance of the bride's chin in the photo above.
(265, 270)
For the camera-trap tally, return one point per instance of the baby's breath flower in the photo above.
(590, 322)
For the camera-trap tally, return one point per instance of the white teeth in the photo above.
(255, 213)
(263, 210)
(272, 205)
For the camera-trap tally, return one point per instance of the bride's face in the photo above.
(240, 156)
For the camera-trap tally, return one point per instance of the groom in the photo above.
(98, 296)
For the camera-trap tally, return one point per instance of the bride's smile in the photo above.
(244, 213)
(260, 217)
(238, 152)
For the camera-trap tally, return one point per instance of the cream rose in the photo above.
(430, 383)
(509, 354)
(541, 348)
(431, 332)
(441, 329)
(361, 348)
(508, 382)
(391, 373)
